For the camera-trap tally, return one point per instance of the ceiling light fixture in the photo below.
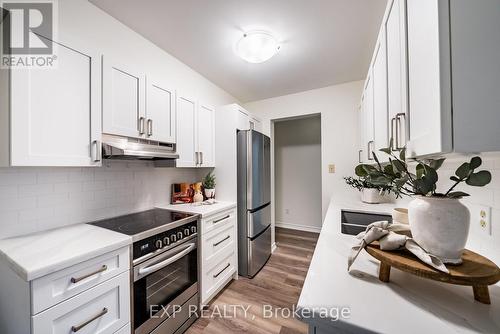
(257, 46)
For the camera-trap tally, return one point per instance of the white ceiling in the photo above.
(324, 42)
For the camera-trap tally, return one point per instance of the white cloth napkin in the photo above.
(389, 240)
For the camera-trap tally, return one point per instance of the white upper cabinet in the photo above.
(429, 77)
(123, 99)
(442, 77)
(380, 115)
(160, 111)
(206, 135)
(195, 133)
(55, 114)
(186, 134)
(397, 84)
(369, 122)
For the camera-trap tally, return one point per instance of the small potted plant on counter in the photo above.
(439, 222)
(370, 193)
(209, 185)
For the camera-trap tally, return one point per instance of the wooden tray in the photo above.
(475, 270)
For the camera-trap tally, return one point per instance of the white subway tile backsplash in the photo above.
(36, 189)
(17, 204)
(34, 199)
(8, 191)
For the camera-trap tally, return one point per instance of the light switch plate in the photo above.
(331, 168)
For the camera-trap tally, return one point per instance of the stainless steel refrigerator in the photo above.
(254, 201)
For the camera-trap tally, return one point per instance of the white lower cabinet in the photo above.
(61, 285)
(218, 253)
(103, 309)
(92, 296)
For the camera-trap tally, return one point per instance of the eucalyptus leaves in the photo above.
(397, 176)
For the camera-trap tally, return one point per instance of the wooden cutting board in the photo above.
(475, 270)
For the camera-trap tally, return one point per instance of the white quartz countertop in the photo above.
(204, 210)
(407, 304)
(36, 255)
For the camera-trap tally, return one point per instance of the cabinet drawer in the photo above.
(356, 222)
(103, 309)
(127, 329)
(217, 221)
(214, 244)
(215, 278)
(61, 285)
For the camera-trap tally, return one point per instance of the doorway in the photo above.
(297, 173)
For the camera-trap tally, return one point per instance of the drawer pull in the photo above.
(221, 219)
(219, 242)
(78, 279)
(75, 329)
(220, 272)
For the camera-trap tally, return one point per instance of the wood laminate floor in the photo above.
(239, 308)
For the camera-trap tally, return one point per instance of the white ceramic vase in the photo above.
(440, 226)
(210, 193)
(371, 196)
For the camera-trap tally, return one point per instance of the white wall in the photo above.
(35, 199)
(297, 154)
(338, 107)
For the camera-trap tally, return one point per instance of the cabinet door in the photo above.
(380, 116)
(206, 135)
(123, 99)
(243, 120)
(160, 111)
(429, 77)
(186, 132)
(369, 136)
(55, 113)
(361, 134)
(397, 85)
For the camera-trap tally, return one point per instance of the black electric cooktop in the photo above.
(140, 223)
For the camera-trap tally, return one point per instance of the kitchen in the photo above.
(128, 106)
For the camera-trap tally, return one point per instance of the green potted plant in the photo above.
(370, 193)
(209, 185)
(439, 222)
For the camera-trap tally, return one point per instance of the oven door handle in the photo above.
(164, 263)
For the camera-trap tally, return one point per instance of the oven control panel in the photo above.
(166, 239)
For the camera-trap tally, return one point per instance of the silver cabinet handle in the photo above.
(393, 137)
(150, 127)
(95, 153)
(359, 156)
(221, 219)
(197, 158)
(221, 241)
(75, 329)
(369, 151)
(398, 129)
(100, 270)
(140, 125)
(220, 272)
(201, 158)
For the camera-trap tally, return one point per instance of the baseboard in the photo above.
(305, 228)
(273, 247)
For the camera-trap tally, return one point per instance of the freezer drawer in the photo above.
(259, 251)
(258, 220)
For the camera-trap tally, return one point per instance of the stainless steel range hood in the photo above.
(125, 148)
